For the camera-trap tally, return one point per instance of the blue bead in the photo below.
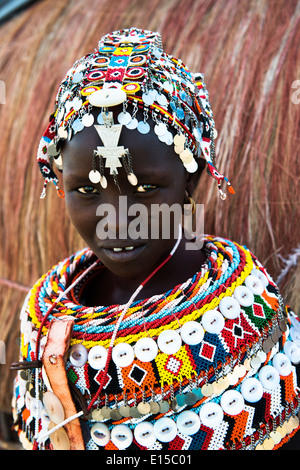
(180, 400)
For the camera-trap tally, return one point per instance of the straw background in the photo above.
(250, 55)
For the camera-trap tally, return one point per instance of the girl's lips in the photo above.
(120, 254)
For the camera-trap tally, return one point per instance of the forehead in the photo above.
(149, 154)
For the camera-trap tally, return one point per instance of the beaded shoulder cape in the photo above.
(219, 369)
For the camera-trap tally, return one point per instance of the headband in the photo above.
(130, 68)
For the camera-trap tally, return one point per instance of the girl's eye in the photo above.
(87, 190)
(143, 188)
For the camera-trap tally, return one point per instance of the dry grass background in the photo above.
(250, 55)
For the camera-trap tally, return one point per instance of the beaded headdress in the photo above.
(130, 69)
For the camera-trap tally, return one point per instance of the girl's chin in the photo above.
(126, 263)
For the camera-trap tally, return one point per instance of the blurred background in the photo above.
(249, 52)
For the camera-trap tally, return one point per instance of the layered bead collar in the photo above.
(215, 356)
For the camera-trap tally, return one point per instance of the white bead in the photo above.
(191, 167)
(168, 86)
(213, 321)
(179, 140)
(167, 138)
(77, 77)
(20, 401)
(211, 414)
(103, 182)
(43, 342)
(165, 429)
(295, 335)
(132, 179)
(144, 434)
(232, 402)
(229, 307)
(97, 357)
(122, 354)
(244, 296)
(124, 118)
(63, 134)
(186, 156)
(269, 377)
(27, 332)
(132, 124)
(282, 364)
(161, 99)
(121, 435)
(87, 120)
(58, 161)
(143, 127)
(160, 128)
(28, 400)
(262, 356)
(107, 97)
(169, 341)
(76, 104)
(33, 338)
(261, 276)
(192, 332)
(254, 284)
(60, 439)
(148, 98)
(94, 176)
(35, 407)
(146, 349)
(252, 390)
(295, 323)
(46, 380)
(53, 407)
(153, 93)
(44, 417)
(78, 355)
(21, 380)
(188, 422)
(77, 125)
(100, 434)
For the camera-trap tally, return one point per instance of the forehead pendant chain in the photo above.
(111, 156)
(112, 95)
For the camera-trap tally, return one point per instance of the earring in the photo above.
(192, 203)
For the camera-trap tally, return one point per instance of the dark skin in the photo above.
(161, 179)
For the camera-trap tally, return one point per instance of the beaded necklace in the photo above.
(193, 382)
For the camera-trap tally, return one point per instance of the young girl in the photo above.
(142, 340)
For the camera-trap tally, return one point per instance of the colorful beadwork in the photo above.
(131, 68)
(235, 387)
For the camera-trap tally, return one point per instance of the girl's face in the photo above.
(161, 180)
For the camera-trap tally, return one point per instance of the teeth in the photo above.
(127, 248)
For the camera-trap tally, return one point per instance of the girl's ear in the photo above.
(193, 178)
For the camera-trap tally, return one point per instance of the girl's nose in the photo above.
(117, 214)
